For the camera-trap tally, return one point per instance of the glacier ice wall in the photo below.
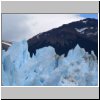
(46, 68)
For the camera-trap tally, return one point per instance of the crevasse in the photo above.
(46, 68)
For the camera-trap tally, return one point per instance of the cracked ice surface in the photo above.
(46, 68)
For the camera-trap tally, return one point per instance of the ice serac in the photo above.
(46, 68)
(81, 68)
(46, 58)
(13, 59)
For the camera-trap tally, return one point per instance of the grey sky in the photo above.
(16, 27)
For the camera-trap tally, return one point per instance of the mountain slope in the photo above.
(66, 37)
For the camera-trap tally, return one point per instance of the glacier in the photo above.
(46, 68)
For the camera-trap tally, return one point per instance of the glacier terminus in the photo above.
(46, 68)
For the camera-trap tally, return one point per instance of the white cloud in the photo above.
(16, 27)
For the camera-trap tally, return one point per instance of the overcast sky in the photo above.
(16, 27)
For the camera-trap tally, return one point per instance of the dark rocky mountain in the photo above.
(6, 45)
(66, 37)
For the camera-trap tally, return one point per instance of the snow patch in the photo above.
(6, 43)
(91, 27)
(81, 30)
(85, 22)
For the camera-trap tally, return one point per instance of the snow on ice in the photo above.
(46, 68)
